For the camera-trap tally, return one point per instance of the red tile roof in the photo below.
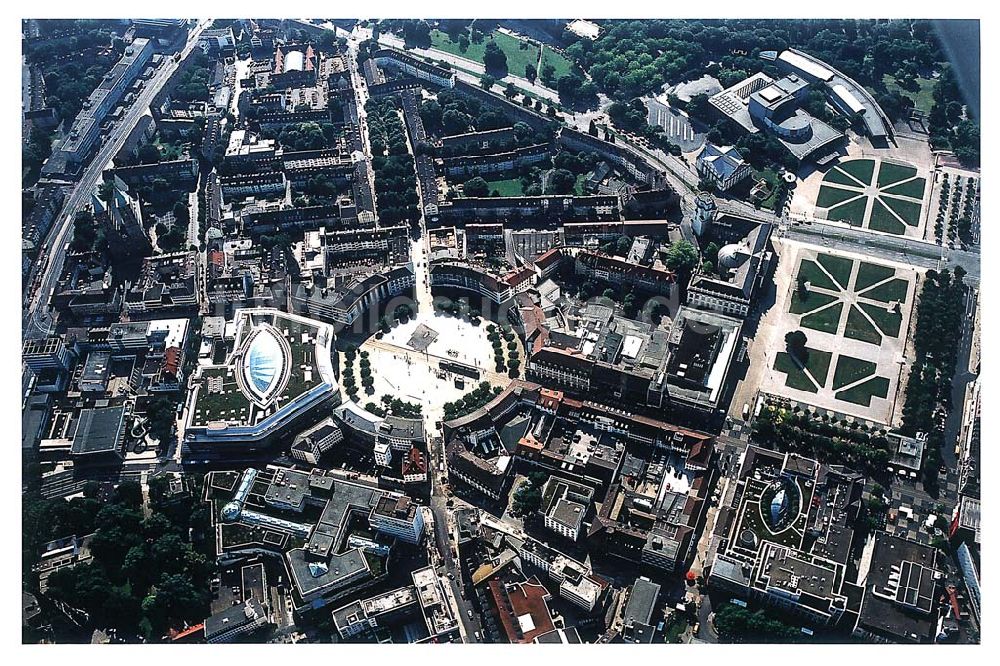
(171, 360)
(548, 258)
(414, 462)
(528, 598)
(519, 275)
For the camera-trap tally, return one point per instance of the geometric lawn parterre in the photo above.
(883, 197)
(873, 296)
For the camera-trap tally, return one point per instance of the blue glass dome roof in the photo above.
(264, 362)
(779, 507)
(231, 512)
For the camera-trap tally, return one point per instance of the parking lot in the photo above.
(676, 126)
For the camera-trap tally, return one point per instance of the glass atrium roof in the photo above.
(779, 507)
(264, 362)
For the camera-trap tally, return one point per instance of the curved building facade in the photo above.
(279, 372)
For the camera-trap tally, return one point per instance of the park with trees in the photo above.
(150, 571)
(471, 401)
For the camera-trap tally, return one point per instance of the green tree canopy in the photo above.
(682, 257)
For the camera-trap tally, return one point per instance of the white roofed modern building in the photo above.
(279, 372)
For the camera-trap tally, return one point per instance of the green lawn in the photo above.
(863, 392)
(869, 274)
(906, 209)
(673, 632)
(839, 268)
(859, 328)
(771, 178)
(852, 212)
(561, 63)
(850, 370)
(818, 364)
(909, 188)
(517, 57)
(829, 196)
(860, 169)
(888, 320)
(883, 220)
(826, 320)
(508, 187)
(838, 177)
(814, 275)
(442, 42)
(893, 290)
(923, 98)
(889, 173)
(813, 301)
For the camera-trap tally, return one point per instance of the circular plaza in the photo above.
(432, 357)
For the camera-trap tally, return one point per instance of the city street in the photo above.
(37, 322)
(471, 66)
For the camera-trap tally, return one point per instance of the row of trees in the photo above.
(855, 445)
(347, 376)
(385, 128)
(470, 402)
(960, 204)
(395, 175)
(929, 387)
(500, 339)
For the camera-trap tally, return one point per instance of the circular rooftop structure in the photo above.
(231, 511)
(748, 539)
(795, 128)
(728, 256)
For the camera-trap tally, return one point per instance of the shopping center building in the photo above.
(279, 372)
